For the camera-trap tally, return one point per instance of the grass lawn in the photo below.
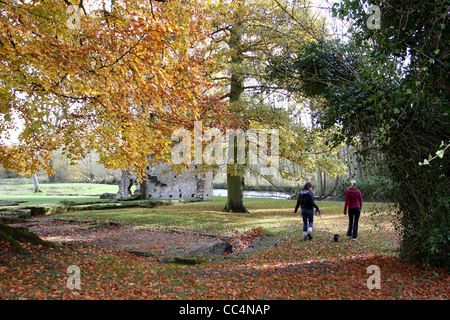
(54, 192)
(58, 188)
(275, 216)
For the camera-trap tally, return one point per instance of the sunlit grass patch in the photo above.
(275, 216)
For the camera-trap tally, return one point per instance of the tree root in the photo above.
(14, 235)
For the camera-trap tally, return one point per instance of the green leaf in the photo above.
(36, 125)
(7, 117)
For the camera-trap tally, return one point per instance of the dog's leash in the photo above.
(320, 216)
(323, 222)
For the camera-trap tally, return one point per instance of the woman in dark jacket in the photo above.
(353, 201)
(306, 201)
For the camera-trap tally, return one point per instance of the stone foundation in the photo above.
(165, 184)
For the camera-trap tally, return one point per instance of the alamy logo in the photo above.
(73, 282)
(229, 149)
(74, 19)
(374, 281)
(374, 20)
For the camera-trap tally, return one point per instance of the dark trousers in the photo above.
(308, 218)
(353, 219)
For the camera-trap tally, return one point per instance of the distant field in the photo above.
(54, 192)
(58, 188)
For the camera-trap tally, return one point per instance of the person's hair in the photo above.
(352, 184)
(308, 185)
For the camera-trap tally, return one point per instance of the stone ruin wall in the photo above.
(165, 184)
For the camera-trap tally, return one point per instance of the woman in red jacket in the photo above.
(353, 201)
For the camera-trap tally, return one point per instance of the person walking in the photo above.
(353, 201)
(306, 202)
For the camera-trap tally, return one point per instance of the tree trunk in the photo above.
(13, 236)
(324, 196)
(235, 186)
(319, 180)
(359, 172)
(359, 169)
(235, 202)
(235, 183)
(35, 183)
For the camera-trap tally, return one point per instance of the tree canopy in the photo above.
(245, 35)
(119, 84)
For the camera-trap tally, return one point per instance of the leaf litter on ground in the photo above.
(293, 269)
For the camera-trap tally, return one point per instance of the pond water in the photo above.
(255, 194)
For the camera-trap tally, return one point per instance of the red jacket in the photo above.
(353, 199)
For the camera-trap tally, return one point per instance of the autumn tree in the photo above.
(118, 85)
(245, 33)
(116, 81)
